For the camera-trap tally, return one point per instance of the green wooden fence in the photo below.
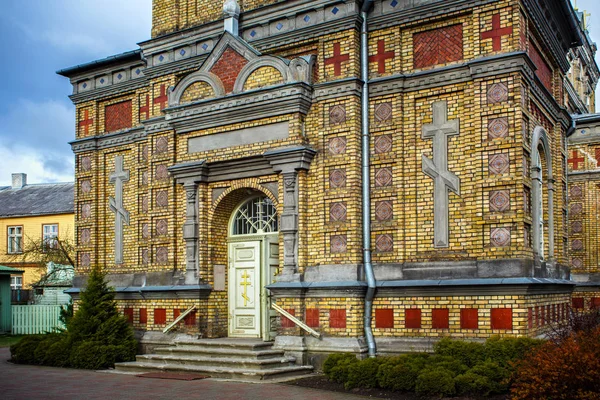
(31, 320)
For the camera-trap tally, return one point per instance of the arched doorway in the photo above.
(543, 196)
(253, 249)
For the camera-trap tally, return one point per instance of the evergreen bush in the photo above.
(363, 374)
(336, 366)
(435, 382)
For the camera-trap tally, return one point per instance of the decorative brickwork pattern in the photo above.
(337, 114)
(85, 122)
(497, 93)
(337, 59)
(576, 245)
(86, 186)
(383, 177)
(337, 178)
(576, 209)
(162, 145)
(161, 172)
(498, 128)
(576, 160)
(438, 46)
(162, 198)
(576, 227)
(228, 68)
(85, 259)
(384, 243)
(383, 112)
(338, 212)
(144, 112)
(543, 71)
(197, 91)
(118, 116)
(162, 255)
(85, 236)
(86, 210)
(337, 145)
(339, 243)
(383, 144)
(500, 237)
(86, 163)
(499, 164)
(496, 33)
(384, 210)
(500, 200)
(162, 227)
(576, 192)
(382, 56)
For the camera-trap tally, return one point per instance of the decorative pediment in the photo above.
(235, 67)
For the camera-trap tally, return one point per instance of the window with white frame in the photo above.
(16, 282)
(15, 239)
(50, 234)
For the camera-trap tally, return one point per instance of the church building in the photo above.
(337, 175)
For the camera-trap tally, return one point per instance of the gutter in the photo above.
(133, 55)
(366, 183)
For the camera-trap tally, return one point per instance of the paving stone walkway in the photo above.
(24, 382)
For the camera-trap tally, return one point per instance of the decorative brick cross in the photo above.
(381, 56)
(146, 109)
(576, 160)
(86, 122)
(163, 98)
(116, 205)
(437, 169)
(337, 59)
(496, 33)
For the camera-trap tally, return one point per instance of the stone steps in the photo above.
(236, 359)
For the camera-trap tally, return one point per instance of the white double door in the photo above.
(252, 266)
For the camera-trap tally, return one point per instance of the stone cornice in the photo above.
(339, 88)
(584, 175)
(109, 91)
(106, 141)
(236, 108)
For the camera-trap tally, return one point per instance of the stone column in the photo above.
(287, 162)
(190, 176)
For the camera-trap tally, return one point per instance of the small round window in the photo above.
(258, 215)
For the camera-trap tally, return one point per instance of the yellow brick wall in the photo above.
(197, 91)
(262, 77)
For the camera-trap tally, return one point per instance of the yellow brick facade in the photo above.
(490, 218)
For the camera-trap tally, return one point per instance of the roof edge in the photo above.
(132, 55)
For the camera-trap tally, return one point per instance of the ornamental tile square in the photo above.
(384, 210)
(338, 212)
(337, 114)
(384, 243)
(85, 236)
(498, 128)
(500, 200)
(337, 145)
(162, 145)
(86, 210)
(576, 209)
(162, 198)
(576, 227)
(527, 200)
(499, 164)
(577, 262)
(144, 204)
(145, 177)
(383, 113)
(86, 163)
(161, 172)
(577, 245)
(383, 144)
(500, 237)
(337, 178)
(86, 186)
(85, 259)
(527, 234)
(497, 93)
(162, 227)
(145, 231)
(338, 243)
(576, 192)
(162, 255)
(144, 153)
(383, 177)
(145, 256)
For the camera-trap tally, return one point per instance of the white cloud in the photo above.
(32, 162)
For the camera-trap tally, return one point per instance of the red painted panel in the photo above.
(595, 302)
(160, 316)
(312, 317)
(469, 318)
(128, 313)
(440, 318)
(286, 323)
(384, 318)
(190, 319)
(578, 302)
(502, 318)
(413, 318)
(143, 316)
(176, 314)
(337, 318)
(118, 116)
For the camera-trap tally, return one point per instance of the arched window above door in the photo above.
(256, 216)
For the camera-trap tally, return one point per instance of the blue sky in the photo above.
(39, 37)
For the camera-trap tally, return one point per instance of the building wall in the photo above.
(32, 230)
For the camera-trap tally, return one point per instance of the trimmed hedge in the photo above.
(455, 368)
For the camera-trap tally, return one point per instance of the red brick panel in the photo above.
(440, 318)
(337, 319)
(529, 318)
(502, 318)
(413, 318)
(176, 314)
(384, 318)
(469, 318)
(438, 46)
(228, 68)
(544, 72)
(578, 302)
(128, 313)
(190, 319)
(118, 116)
(595, 302)
(160, 316)
(288, 323)
(312, 317)
(143, 316)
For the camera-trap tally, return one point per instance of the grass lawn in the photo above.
(8, 340)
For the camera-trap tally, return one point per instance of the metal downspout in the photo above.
(366, 183)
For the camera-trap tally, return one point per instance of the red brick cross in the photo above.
(576, 160)
(86, 122)
(497, 32)
(146, 109)
(163, 98)
(337, 59)
(381, 56)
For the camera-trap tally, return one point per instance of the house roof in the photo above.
(8, 270)
(38, 199)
